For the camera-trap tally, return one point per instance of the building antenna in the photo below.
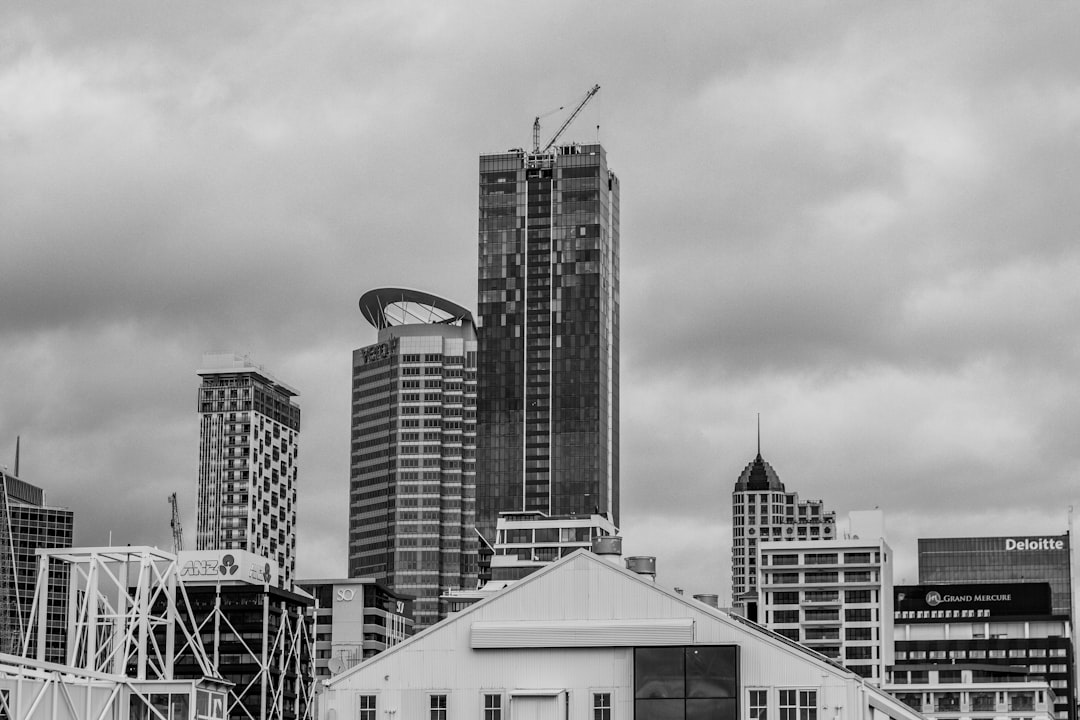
(17, 440)
(759, 434)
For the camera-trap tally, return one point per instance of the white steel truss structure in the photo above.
(131, 618)
(283, 656)
(123, 617)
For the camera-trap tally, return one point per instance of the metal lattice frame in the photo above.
(122, 615)
(293, 642)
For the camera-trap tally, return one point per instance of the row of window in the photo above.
(438, 706)
(979, 654)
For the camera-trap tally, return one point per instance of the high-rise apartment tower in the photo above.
(548, 379)
(412, 483)
(248, 433)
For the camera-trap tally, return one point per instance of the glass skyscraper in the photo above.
(548, 316)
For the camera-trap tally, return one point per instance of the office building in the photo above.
(763, 511)
(834, 596)
(258, 634)
(548, 414)
(525, 542)
(248, 436)
(585, 638)
(355, 618)
(1006, 559)
(28, 524)
(412, 480)
(983, 650)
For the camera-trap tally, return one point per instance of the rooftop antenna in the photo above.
(17, 439)
(759, 434)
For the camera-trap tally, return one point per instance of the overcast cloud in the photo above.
(856, 219)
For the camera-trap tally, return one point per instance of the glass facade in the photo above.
(1001, 560)
(26, 525)
(547, 420)
(412, 487)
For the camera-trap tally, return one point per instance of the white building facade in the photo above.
(834, 596)
(584, 638)
(248, 444)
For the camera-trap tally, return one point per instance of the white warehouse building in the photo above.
(585, 639)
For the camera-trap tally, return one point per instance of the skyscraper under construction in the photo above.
(548, 312)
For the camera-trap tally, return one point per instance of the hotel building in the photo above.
(548, 378)
(412, 479)
(982, 650)
(249, 428)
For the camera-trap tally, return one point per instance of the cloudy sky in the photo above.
(858, 219)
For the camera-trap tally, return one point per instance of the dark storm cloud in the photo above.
(855, 220)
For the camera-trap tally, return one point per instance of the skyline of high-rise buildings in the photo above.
(412, 481)
(248, 434)
(548, 326)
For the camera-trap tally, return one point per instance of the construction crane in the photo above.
(536, 124)
(174, 523)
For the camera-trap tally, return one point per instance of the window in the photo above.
(859, 596)
(601, 706)
(785, 616)
(367, 707)
(438, 707)
(493, 707)
(798, 705)
(858, 615)
(785, 598)
(684, 683)
(759, 704)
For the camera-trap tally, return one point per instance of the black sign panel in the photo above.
(930, 603)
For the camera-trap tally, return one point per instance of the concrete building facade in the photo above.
(764, 511)
(412, 490)
(834, 596)
(248, 446)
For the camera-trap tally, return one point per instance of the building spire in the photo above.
(759, 434)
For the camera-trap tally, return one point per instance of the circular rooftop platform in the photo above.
(387, 307)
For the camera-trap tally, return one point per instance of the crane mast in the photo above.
(174, 523)
(588, 96)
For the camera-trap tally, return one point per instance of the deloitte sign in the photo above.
(1034, 544)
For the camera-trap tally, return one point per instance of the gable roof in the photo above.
(585, 558)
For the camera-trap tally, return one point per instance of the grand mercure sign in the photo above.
(935, 603)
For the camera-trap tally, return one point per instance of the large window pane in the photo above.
(658, 673)
(711, 709)
(658, 709)
(711, 672)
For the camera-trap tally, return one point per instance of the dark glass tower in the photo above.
(548, 376)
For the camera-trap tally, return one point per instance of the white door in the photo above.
(534, 707)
